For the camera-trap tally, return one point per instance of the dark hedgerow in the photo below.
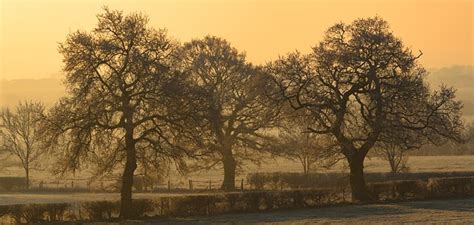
(100, 210)
(250, 201)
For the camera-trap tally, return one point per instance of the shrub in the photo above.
(450, 186)
(275, 181)
(100, 210)
(28, 214)
(256, 180)
(12, 183)
(56, 212)
(140, 207)
(195, 205)
(253, 200)
(4, 211)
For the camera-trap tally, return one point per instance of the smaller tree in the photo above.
(295, 142)
(21, 135)
(396, 157)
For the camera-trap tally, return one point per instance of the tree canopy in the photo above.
(363, 87)
(234, 110)
(125, 98)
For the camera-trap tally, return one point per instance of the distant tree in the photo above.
(21, 134)
(363, 87)
(234, 110)
(396, 157)
(295, 142)
(125, 99)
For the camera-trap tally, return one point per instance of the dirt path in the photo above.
(458, 211)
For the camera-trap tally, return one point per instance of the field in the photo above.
(416, 163)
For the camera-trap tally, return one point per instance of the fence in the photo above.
(113, 185)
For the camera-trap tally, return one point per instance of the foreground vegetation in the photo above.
(251, 201)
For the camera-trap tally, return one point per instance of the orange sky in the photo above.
(31, 30)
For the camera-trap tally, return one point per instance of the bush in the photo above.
(28, 214)
(12, 183)
(455, 186)
(275, 181)
(4, 210)
(100, 210)
(251, 201)
(140, 207)
(398, 190)
(56, 212)
(195, 205)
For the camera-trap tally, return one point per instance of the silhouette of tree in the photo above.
(21, 134)
(363, 87)
(125, 99)
(396, 157)
(295, 142)
(233, 106)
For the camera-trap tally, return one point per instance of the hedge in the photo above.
(249, 201)
(12, 183)
(278, 181)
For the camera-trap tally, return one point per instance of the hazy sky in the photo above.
(31, 30)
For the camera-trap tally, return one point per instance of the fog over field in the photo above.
(49, 90)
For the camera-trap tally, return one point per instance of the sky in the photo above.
(32, 29)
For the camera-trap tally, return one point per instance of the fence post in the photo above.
(190, 184)
(242, 184)
(210, 185)
(162, 207)
(343, 194)
(72, 184)
(169, 185)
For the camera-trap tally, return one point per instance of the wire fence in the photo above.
(140, 185)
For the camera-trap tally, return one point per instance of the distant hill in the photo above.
(46, 90)
(461, 78)
(49, 90)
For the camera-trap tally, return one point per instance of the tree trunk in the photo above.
(127, 177)
(27, 178)
(357, 180)
(229, 172)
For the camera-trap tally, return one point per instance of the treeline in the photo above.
(138, 101)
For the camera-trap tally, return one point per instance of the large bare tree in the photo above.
(363, 87)
(233, 107)
(21, 134)
(125, 96)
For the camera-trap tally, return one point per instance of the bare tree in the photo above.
(396, 157)
(21, 134)
(363, 87)
(234, 109)
(125, 97)
(295, 142)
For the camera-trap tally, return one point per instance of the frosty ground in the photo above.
(453, 211)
